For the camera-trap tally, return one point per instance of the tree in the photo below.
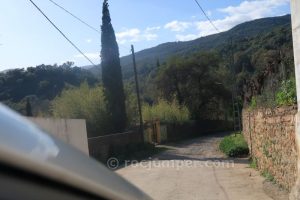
(195, 81)
(86, 103)
(157, 63)
(28, 108)
(111, 73)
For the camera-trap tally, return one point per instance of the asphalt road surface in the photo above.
(195, 169)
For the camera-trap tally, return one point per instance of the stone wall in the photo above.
(102, 147)
(270, 134)
(71, 131)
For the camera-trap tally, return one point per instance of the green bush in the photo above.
(131, 106)
(268, 176)
(84, 103)
(253, 163)
(169, 112)
(287, 93)
(253, 103)
(234, 145)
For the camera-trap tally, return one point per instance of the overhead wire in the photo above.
(207, 17)
(77, 18)
(83, 22)
(62, 33)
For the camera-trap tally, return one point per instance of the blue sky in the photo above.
(27, 39)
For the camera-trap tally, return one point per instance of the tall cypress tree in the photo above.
(28, 108)
(111, 73)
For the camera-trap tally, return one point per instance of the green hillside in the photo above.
(256, 56)
(146, 59)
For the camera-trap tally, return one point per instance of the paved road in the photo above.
(195, 169)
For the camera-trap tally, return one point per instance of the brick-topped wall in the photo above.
(270, 134)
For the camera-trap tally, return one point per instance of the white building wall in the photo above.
(295, 12)
(71, 131)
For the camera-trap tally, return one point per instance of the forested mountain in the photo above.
(260, 68)
(256, 56)
(147, 59)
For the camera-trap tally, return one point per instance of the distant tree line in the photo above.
(39, 85)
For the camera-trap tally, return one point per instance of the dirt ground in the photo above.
(196, 169)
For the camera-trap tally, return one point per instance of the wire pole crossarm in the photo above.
(138, 93)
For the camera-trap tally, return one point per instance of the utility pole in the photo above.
(138, 93)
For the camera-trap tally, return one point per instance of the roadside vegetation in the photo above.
(253, 163)
(286, 94)
(88, 102)
(166, 112)
(84, 102)
(268, 176)
(234, 145)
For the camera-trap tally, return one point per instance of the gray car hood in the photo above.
(25, 146)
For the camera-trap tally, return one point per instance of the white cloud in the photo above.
(88, 40)
(234, 15)
(136, 35)
(254, 9)
(245, 11)
(186, 37)
(177, 26)
(150, 36)
(130, 33)
(89, 55)
(150, 29)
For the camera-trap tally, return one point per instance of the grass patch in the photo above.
(234, 145)
(268, 176)
(253, 163)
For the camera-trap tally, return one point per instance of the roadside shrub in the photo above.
(169, 112)
(268, 176)
(234, 145)
(253, 163)
(286, 94)
(253, 103)
(84, 103)
(131, 106)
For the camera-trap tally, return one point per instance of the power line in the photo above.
(210, 21)
(62, 33)
(83, 22)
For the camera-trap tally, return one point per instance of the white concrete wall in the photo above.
(71, 131)
(295, 12)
